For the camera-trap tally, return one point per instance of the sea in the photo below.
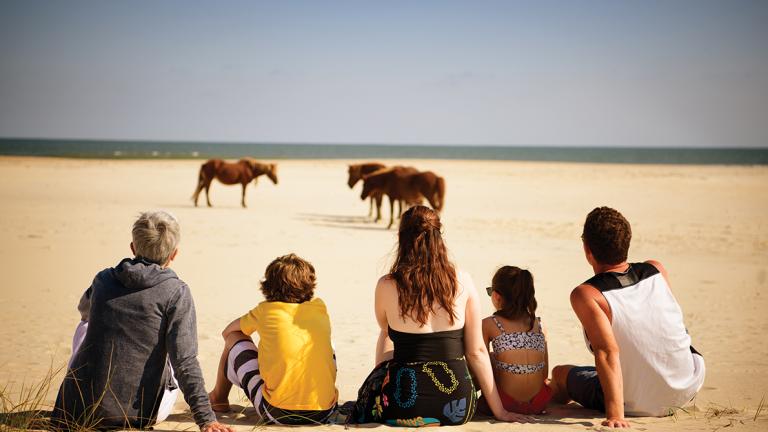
(115, 149)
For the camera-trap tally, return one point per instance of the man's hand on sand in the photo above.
(217, 427)
(616, 423)
(514, 417)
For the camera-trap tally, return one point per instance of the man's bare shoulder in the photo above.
(584, 293)
(660, 267)
(657, 264)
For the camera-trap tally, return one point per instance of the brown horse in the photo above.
(431, 186)
(230, 173)
(405, 184)
(356, 173)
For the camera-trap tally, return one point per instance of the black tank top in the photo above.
(423, 347)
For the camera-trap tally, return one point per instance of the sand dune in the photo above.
(63, 220)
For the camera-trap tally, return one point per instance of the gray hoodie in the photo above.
(139, 315)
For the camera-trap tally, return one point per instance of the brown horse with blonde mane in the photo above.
(356, 173)
(230, 173)
(405, 184)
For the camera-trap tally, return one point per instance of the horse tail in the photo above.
(440, 193)
(199, 182)
(211, 165)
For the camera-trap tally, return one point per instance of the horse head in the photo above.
(354, 175)
(272, 173)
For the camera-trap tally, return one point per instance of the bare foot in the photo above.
(219, 405)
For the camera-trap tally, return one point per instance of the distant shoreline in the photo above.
(121, 149)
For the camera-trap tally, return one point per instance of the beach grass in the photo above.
(26, 409)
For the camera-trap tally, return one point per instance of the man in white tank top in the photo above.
(644, 362)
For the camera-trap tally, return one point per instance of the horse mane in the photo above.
(263, 167)
(379, 171)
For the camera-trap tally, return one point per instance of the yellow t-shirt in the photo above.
(295, 354)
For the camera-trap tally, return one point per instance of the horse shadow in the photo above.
(341, 221)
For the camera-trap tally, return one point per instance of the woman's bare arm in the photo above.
(479, 362)
(384, 346)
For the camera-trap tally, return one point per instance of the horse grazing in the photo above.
(405, 184)
(356, 173)
(230, 173)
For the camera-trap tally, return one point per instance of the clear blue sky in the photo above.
(617, 73)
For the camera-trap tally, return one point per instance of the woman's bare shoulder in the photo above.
(387, 279)
(386, 284)
(464, 280)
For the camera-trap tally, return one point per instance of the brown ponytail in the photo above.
(518, 297)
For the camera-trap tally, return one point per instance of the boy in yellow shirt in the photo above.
(291, 377)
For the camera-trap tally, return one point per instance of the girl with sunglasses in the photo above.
(519, 345)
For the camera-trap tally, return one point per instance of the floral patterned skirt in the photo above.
(413, 394)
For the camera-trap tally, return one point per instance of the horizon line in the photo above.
(382, 144)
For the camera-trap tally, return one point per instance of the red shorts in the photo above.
(536, 405)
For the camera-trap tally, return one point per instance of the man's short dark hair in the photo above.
(289, 279)
(607, 234)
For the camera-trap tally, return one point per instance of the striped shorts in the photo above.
(243, 371)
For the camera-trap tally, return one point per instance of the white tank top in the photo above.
(659, 367)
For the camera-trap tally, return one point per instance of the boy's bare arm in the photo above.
(234, 326)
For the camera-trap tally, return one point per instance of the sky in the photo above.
(540, 73)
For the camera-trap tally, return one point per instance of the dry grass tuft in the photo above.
(26, 409)
(760, 408)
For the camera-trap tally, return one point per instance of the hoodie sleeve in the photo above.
(181, 340)
(84, 305)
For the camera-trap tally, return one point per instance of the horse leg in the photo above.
(432, 202)
(379, 199)
(242, 200)
(370, 208)
(199, 188)
(391, 212)
(207, 193)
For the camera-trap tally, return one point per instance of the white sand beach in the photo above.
(62, 220)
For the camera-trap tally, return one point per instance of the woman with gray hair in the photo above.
(136, 338)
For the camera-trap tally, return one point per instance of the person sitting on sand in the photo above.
(136, 317)
(519, 357)
(429, 316)
(644, 362)
(291, 377)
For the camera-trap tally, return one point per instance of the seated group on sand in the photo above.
(136, 345)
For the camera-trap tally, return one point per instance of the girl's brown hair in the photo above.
(424, 276)
(518, 297)
(289, 279)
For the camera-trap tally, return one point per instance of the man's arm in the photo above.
(585, 301)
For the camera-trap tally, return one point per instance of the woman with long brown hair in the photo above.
(429, 314)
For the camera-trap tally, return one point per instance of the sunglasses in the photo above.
(489, 290)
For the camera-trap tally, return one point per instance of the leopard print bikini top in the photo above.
(518, 340)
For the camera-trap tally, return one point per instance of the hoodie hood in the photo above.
(139, 274)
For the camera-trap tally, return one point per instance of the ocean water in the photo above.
(204, 150)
